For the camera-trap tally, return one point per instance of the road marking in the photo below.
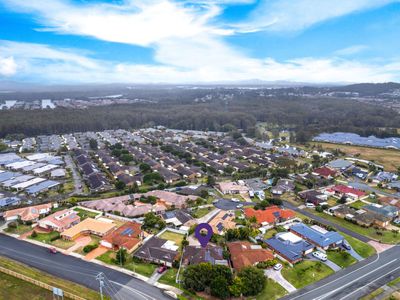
(143, 295)
(391, 271)
(351, 282)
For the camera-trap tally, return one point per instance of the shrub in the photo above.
(34, 234)
(89, 248)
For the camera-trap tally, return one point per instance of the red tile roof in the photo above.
(271, 214)
(347, 190)
(325, 172)
(245, 254)
(127, 236)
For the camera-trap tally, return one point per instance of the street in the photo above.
(355, 281)
(118, 285)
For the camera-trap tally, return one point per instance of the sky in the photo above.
(199, 41)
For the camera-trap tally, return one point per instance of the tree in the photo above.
(237, 287)
(204, 194)
(253, 280)
(93, 144)
(152, 221)
(219, 287)
(120, 185)
(144, 168)
(211, 180)
(34, 234)
(2, 146)
(126, 158)
(121, 256)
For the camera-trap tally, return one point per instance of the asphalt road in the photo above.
(355, 281)
(326, 222)
(119, 286)
(226, 204)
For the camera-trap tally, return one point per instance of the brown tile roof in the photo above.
(126, 236)
(246, 254)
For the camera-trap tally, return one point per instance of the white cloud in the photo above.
(8, 66)
(355, 49)
(296, 15)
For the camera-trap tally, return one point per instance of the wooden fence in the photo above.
(38, 283)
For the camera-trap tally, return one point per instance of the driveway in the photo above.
(277, 276)
(79, 242)
(328, 262)
(96, 252)
(226, 204)
(155, 277)
(354, 254)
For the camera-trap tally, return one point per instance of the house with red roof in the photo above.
(28, 214)
(245, 254)
(348, 191)
(271, 215)
(128, 236)
(325, 172)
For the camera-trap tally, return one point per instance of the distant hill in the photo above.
(369, 89)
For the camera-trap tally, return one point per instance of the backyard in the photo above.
(172, 236)
(142, 268)
(84, 214)
(306, 272)
(357, 205)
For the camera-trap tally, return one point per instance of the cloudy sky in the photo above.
(184, 41)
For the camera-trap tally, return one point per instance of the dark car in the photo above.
(346, 245)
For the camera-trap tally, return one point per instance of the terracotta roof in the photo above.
(347, 190)
(325, 172)
(270, 215)
(246, 254)
(28, 213)
(127, 236)
(62, 219)
(89, 225)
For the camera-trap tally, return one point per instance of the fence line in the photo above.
(38, 283)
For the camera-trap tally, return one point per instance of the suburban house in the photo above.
(222, 221)
(210, 254)
(169, 199)
(362, 216)
(388, 211)
(60, 220)
(340, 164)
(158, 251)
(347, 191)
(318, 236)
(256, 187)
(177, 218)
(245, 254)
(87, 227)
(314, 197)
(28, 214)
(271, 215)
(325, 172)
(283, 186)
(232, 188)
(128, 236)
(289, 246)
(390, 201)
(384, 177)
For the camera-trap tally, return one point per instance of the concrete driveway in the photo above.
(354, 254)
(277, 276)
(328, 262)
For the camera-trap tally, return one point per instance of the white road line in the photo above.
(143, 295)
(351, 282)
(391, 271)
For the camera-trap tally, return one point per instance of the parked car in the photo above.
(161, 269)
(397, 221)
(346, 245)
(320, 255)
(310, 205)
(52, 250)
(235, 200)
(239, 206)
(278, 267)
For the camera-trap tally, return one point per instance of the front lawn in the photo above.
(46, 237)
(270, 233)
(20, 229)
(63, 244)
(172, 236)
(306, 272)
(142, 268)
(272, 291)
(357, 205)
(169, 277)
(384, 236)
(342, 258)
(363, 249)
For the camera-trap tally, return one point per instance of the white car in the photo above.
(239, 206)
(310, 205)
(278, 267)
(320, 255)
(235, 200)
(397, 221)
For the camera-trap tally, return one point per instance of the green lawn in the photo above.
(21, 229)
(201, 212)
(363, 249)
(394, 282)
(84, 214)
(306, 272)
(357, 205)
(387, 236)
(18, 289)
(145, 269)
(342, 258)
(172, 236)
(45, 237)
(270, 233)
(169, 277)
(272, 291)
(63, 244)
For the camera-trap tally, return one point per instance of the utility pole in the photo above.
(100, 279)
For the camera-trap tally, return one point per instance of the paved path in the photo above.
(328, 262)
(355, 254)
(326, 222)
(155, 277)
(96, 252)
(277, 276)
(79, 271)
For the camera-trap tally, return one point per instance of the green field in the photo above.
(172, 236)
(387, 237)
(341, 258)
(272, 291)
(48, 279)
(142, 268)
(18, 289)
(306, 272)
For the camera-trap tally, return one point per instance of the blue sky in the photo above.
(186, 41)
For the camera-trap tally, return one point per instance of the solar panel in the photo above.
(127, 231)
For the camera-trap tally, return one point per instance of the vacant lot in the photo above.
(390, 159)
(172, 236)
